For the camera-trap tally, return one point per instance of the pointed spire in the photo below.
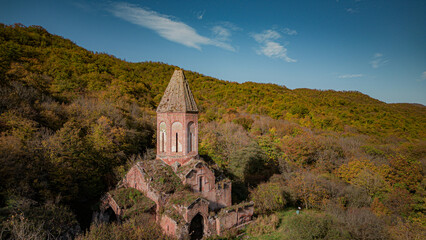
(177, 97)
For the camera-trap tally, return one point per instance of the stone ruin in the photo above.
(180, 191)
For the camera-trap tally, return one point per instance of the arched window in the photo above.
(191, 137)
(176, 141)
(163, 137)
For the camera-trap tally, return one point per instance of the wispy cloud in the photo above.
(378, 60)
(221, 33)
(165, 26)
(351, 10)
(289, 31)
(423, 77)
(200, 14)
(269, 45)
(350, 76)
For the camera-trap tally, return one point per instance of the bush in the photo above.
(269, 197)
(361, 223)
(140, 228)
(315, 226)
(263, 225)
(407, 231)
(309, 189)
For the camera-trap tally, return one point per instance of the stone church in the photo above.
(190, 201)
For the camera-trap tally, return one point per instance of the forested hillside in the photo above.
(73, 121)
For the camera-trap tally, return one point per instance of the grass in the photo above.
(162, 175)
(132, 201)
(272, 227)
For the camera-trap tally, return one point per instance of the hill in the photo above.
(73, 121)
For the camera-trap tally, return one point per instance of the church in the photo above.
(188, 200)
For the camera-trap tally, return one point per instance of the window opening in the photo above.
(177, 142)
(162, 142)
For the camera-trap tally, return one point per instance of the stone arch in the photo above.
(163, 137)
(177, 137)
(110, 215)
(191, 137)
(196, 227)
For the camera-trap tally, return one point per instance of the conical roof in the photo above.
(177, 97)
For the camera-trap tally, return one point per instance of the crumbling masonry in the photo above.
(190, 201)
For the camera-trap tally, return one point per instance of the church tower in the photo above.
(177, 122)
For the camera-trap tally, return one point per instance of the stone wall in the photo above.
(107, 201)
(182, 155)
(169, 226)
(234, 216)
(219, 194)
(223, 194)
(136, 178)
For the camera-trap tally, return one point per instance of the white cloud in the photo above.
(165, 26)
(221, 33)
(378, 60)
(275, 50)
(266, 36)
(351, 76)
(269, 45)
(289, 31)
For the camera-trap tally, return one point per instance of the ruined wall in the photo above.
(223, 194)
(136, 178)
(200, 206)
(169, 226)
(234, 217)
(219, 194)
(107, 201)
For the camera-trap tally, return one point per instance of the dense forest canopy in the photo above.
(73, 121)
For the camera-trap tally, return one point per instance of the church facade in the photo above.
(191, 202)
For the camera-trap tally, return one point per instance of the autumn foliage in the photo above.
(72, 122)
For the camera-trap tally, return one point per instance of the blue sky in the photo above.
(377, 47)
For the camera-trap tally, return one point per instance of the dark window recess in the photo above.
(200, 185)
(162, 142)
(177, 142)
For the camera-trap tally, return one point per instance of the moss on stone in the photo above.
(235, 207)
(184, 197)
(131, 201)
(174, 214)
(162, 177)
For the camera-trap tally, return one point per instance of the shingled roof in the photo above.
(177, 97)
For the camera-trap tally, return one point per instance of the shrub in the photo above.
(361, 223)
(269, 197)
(142, 228)
(315, 226)
(407, 231)
(309, 189)
(263, 225)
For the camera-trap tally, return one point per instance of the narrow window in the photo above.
(191, 137)
(177, 142)
(190, 142)
(200, 186)
(162, 141)
(163, 136)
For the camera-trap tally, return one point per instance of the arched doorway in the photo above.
(196, 228)
(110, 215)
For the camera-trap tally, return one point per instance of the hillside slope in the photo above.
(72, 122)
(58, 67)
